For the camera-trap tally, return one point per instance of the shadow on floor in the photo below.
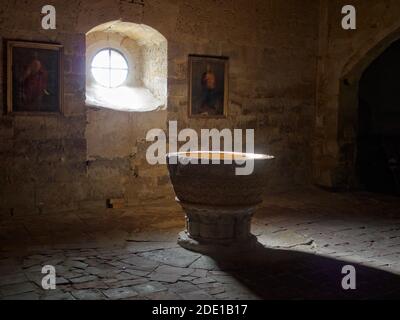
(284, 274)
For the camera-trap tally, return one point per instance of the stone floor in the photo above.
(306, 238)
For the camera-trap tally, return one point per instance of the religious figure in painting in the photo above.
(34, 82)
(209, 94)
(208, 86)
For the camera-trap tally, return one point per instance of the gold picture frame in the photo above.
(35, 73)
(208, 92)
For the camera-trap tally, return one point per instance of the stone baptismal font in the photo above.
(218, 202)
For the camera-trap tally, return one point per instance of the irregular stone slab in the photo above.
(143, 246)
(182, 287)
(23, 296)
(61, 281)
(118, 264)
(177, 257)
(141, 263)
(176, 270)
(197, 295)
(99, 271)
(284, 239)
(94, 262)
(199, 273)
(15, 289)
(69, 274)
(82, 259)
(206, 263)
(219, 273)
(203, 280)
(163, 295)
(209, 285)
(88, 294)
(58, 296)
(91, 285)
(75, 264)
(12, 279)
(139, 273)
(187, 278)
(217, 290)
(164, 277)
(169, 274)
(120, 293)
(128, 283)
(150, 287)
(54, 262)
(83, 279)
(125, 276)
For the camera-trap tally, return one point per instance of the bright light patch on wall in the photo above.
(110, 72)
(109, 68)
(122, 98)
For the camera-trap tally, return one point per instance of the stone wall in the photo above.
(155, 69)
(46, 163)
(117, 166)
(343, 57)
(116, 144)
(43, 158)
(271, 81)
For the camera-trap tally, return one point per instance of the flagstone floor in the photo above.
(306, 238)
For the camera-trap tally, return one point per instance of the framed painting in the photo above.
(208, 86)
(34, 77)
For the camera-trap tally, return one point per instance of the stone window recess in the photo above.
(126, 67)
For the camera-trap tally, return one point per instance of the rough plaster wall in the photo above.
(344, 55)
(272, 50)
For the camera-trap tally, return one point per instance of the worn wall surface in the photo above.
(155, 69)
(45, 160)
(343, 57)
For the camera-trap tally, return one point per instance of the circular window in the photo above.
(109, 68)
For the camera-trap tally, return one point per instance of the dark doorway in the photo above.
(378, 152)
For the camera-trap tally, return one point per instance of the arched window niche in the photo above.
(137, 48)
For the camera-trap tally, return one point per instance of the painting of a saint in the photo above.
(208, 88)
(34, 77)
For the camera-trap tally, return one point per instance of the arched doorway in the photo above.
(350, 117)
(378, 136)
